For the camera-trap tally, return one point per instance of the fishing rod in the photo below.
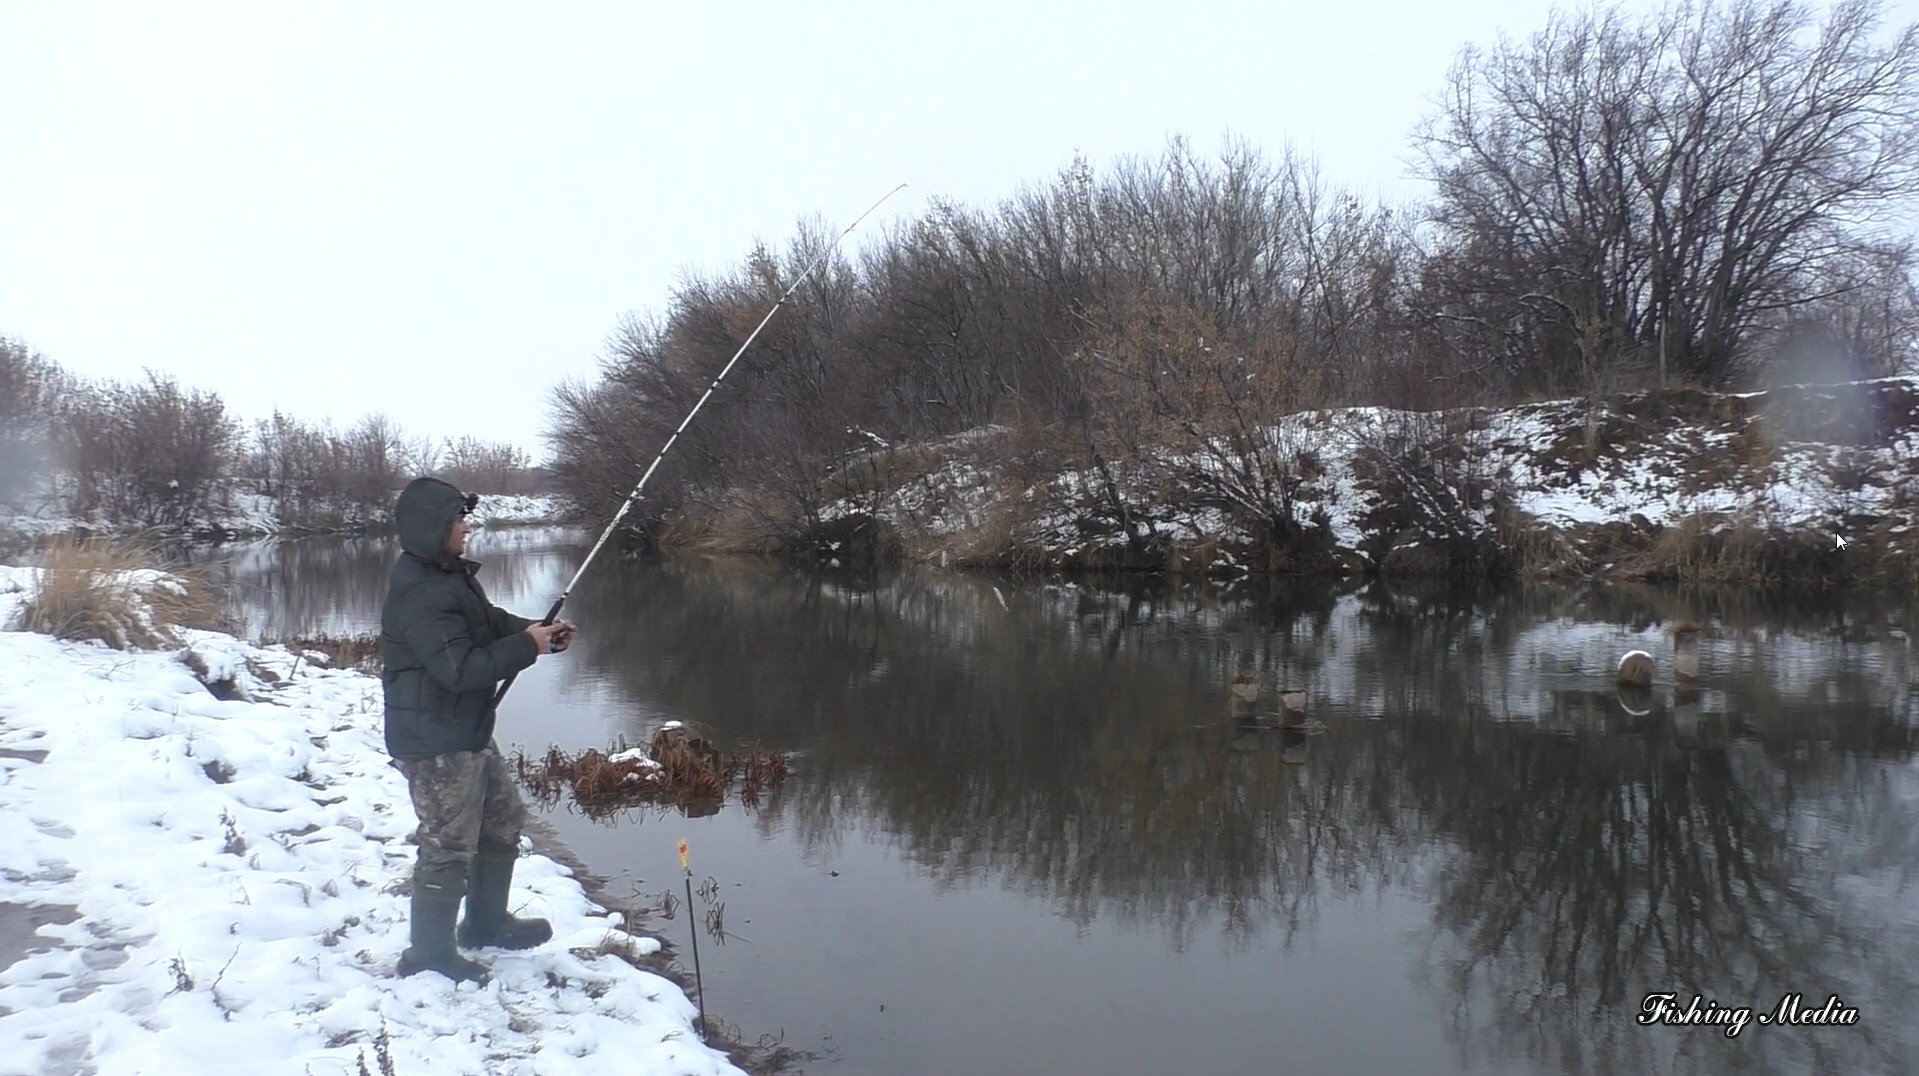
(625, 506)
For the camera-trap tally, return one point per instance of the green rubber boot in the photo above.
(436, 903)
(487, 922)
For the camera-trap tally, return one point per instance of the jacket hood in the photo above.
(424, 513)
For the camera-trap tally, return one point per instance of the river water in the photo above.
(1027, 830)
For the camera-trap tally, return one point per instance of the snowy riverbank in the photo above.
(1675, 484)
(226, 881)
(238, 513)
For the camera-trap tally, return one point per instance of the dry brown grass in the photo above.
(678, 770)
(1720, 549)
(1535, 551)
(739, 523)
(1705, 548)
(122, 592)
(360, 652)
(990, 540)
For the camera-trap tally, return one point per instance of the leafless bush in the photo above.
(1435, 490)
(481, 466)
(777, 426)
(966, 319)
(371, 455)
(419, 455)
(1177, 414)
(598, 431)
(320, 475)
(147, 453)
(153, 454)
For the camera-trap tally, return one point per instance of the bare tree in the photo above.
(419, 455)
(321, 477)
(1670, 187)
(1864, 323)
(373, 454)
(480, 466)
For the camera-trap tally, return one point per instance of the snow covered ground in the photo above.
(231, 873)
(517, 510)
(1829, 458)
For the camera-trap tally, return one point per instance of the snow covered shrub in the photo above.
(1437, 494)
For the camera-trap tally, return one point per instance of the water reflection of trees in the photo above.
(1594, 871)
(1074, 743)
(1038, 750)
(336, 585)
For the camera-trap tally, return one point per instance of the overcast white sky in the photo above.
(443, 209)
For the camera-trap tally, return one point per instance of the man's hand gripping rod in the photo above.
(625, 506)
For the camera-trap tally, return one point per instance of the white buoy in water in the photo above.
(1635, 668)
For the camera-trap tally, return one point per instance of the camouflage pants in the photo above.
(467, 805)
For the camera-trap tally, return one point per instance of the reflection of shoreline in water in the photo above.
(1567, 703)
(1698, 871)
(1574, 850)
(274, 584)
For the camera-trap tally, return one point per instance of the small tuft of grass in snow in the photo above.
(382, 1054)
(235, 845)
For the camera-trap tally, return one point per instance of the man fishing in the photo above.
(446, 647)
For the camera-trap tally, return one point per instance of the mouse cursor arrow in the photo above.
(1841, 539)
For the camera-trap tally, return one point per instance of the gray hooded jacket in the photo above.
(445, 645)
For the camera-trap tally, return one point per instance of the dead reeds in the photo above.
(675, 770)
(1721, 549)
(121, 592)
(360, 652)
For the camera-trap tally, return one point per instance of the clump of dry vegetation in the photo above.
(1536, 552)
(675, 769)
(741, 521)
(361, 652)
(1720, 548)
(108, 590)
